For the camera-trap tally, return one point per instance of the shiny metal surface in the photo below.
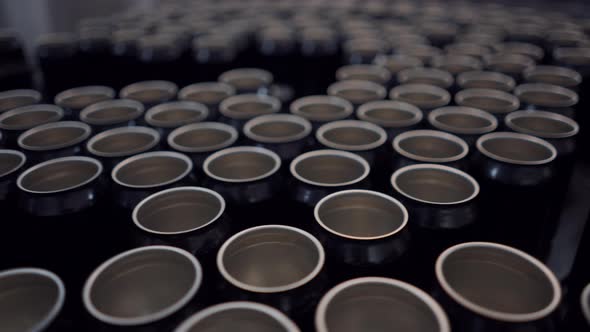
(54, 136)
(277, 128)
(132, 288)
(152, 169)
(321, 108)
(58, 175)
(202, 137)
(424, 96)
(431, 146)
(241, 164)
(421, 75)
(270, 259)
(383, 304)
(462, 120)
(351, 135)
(247, 80)
(78, 98)
(329, 168)
(30, 299)
(238, 316)
(121, 142)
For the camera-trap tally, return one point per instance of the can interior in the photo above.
(202, 137)
(542, 125)
(379, 307)
(135, 286)
(517, 149)
(55, 137)
(29, 119)
(361, 215)
(79, 101)
(435, 185)
(123, 143)
(351, 136)
(330, 169)
(9, 103)
(358, 95)
(58, 176)
(277, 129)
(497, 280)
(431, 147)
(26, 300)
(113, 114)
(152, 171)
(177, 115)
(463, 121)
(490, 103)
(241, 165)
(9, 162)
(270, 257)
(237, 319)
(178, 211)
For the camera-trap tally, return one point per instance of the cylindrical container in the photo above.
(171, 115)
(485, 80)
(533, 51)
(150, 93)
(319, 173)
(398, 62)
(17, 98)
(497, 102)
(547, 97)
(373, 73)
(556, 75)
(129, 291)
(247, 80)
(141, 175)
(428, 146)
(423, 52)
(439, 32)
(74, 100)
(238, 109)
(363, 50)
(18, 120)
(511, 64)
(364, 233)
(357, 92)
(456, 64)
(54, 140)
(467, 123)
(425, 96)
(114, 145)
(238, 316)
(320, 109)
(576, 58)
(57, 56)
(248, 178)
(199, 140)
(285, 134)
(363, 138)
(516, 171)
(381, 303)
(110, 114)
(273, 264)
(210, 94)
(421, 75)
(395, 117)
(486, 286)
(33, 299)
(474, 49)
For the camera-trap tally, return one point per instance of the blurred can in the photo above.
(320, 109)
(467, 123)
(18, 120)
(485, 80)
(54, 140)
(496, 102)
(210, 94)
(547, 97)
(110, 114)
(237, 110)
(395, 117)
(425, 96)
(248, 80)
(17, 98)
(76, 99)
(150, 93)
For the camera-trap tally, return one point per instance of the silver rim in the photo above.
(364, 110)
(201, 112)
(320, 314)
(354, 124)
(563, 72)
(267, 119)
(202, 126)
(297, 105)
(585, 303)
(430, 133)
(462, 110)
(93, 161)
(264, 76)
(509, 120)
(168, 154)
(463, 79)
(185, 92)
(242, 149)
(318, 206)
(276, 289)
(273, 313)
(480, 147)
(167, 86)
(509, 58)
(84, 90)
(226, 104)
(119, 131)
(455, 59)
(155, 196)
(33, 94)
(20, 155)
(335, 88)
(572, 97)
(406, 76)
(125, 321)
(38, 108)
(527, 49)
(350, 71)
(61, 292)
(409, 61)
(510, 99)
(465, 48)
(443, 95)
(86, 131)
(493, 314)
(567, 54)
(448, 169)
(343, 154)
(85, 114)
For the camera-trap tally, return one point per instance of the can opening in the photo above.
(523, 149)
(10, 161)
(123, 142)
(152, 169)
(54, 136)
(202, 137)
(329, 169)
(241, 164)
(60, 174)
